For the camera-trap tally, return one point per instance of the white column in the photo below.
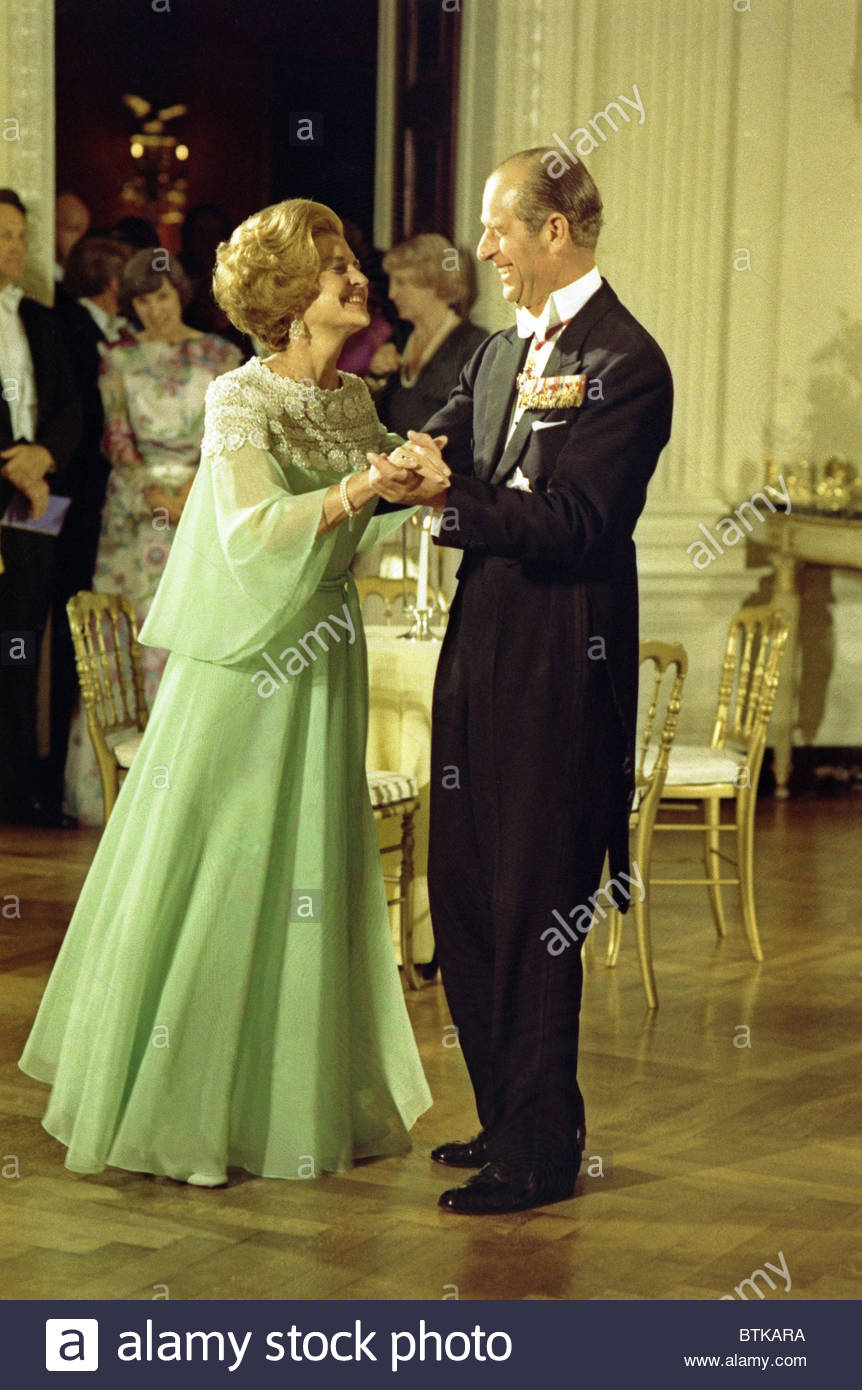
(732, 217)
(27, 128)
(685, 180)
(384, 152)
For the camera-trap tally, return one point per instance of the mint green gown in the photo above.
(226, 994)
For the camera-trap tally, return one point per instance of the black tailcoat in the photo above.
(535, 704)
(25, 586)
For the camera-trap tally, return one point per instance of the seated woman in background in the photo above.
(432, 285)
(153, 392)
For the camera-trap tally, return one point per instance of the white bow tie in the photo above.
(10, 298)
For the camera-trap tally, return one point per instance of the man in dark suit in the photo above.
(87, 307)
(40, 421)
(553, 433)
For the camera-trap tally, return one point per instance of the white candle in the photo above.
(422, 582)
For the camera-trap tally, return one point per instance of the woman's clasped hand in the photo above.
(414, 473)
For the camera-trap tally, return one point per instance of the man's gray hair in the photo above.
(571, 193)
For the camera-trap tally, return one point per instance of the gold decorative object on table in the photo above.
(800, 483)
(821, 526)
(835, 489)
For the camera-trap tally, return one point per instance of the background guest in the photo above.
(73, 222)
(207, 225)
(88, 311)
(136, 232)
(432, 286)
(40, 423)
(153, 392)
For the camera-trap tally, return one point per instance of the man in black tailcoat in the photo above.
(40, 422)
(87, 308)
(553, 431)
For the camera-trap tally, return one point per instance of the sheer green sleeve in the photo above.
(246, 556)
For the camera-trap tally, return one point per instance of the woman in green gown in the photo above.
(226, 994)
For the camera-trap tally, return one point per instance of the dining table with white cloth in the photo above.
(401, 685)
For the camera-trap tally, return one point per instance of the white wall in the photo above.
(27, 128)
(747, 153)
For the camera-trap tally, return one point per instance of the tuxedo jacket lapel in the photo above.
(566, 356)
(567, 352)
(6, 435)
(37, 357)
(514, 448)
(500, 393)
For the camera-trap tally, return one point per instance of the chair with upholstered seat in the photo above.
(391, 590)
(110, 674)
(669, 665)
(396, 796)
(728, 769)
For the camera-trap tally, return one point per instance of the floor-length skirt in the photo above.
(226, 994)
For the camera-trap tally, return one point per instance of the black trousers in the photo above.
(25, 597)
(525, 757)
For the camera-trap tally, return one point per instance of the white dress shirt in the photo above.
(110, 326)
(560, 306)
(16, 365)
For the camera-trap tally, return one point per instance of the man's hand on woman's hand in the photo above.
(386, 479)
(414, 474)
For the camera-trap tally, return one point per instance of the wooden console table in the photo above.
(793, 540)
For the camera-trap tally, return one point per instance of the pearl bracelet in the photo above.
(346, 503)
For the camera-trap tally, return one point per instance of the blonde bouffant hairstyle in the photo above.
(268, 272)
(434, 263)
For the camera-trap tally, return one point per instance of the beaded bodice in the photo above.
(301, 425)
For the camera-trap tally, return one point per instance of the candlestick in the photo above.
(422, 582)
(404, 568)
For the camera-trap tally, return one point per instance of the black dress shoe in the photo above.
(46, 817)
(497, 1189)
(467, 1154)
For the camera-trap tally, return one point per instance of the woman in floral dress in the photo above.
(153, 391)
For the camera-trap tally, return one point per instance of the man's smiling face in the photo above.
(13, 244)
(526, 269)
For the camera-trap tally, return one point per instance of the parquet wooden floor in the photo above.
(716, 1156)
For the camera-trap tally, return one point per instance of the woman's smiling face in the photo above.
(160, 312)
(342, 303)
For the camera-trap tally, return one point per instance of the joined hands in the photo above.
(414, 474)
